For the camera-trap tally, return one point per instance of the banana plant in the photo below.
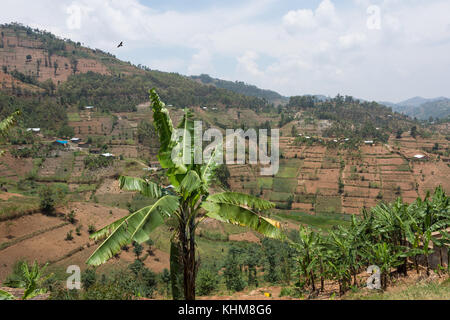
(308, 260)
(31, 279)
(7, 123)
(187, 204)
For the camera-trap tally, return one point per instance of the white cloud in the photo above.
(247, 63)
(201, 63)
(326, 49)
(352, 40)
(304, 19)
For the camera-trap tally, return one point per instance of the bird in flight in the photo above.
(120, 44)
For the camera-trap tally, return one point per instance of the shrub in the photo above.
(69, 236)
(88, 278)
(91, 229)
(47, 200)
(71, 217)
(207, 282)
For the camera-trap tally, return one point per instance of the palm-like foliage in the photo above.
(7, 123)
(386, 236)
(31, 278)
(188, 205)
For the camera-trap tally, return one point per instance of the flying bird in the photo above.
(120, 44)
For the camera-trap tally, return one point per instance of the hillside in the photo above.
(329, 170)
(35, 62)
(242, 88)
(422, 108)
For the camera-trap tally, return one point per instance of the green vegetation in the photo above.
(180, 207)
(387, 236)
(285, 185)
(29, 277)
(242, 88)
(93, 162)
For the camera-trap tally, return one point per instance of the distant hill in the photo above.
(422, 108)
(243, 88)
(36, 64)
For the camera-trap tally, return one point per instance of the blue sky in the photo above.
(371, 49)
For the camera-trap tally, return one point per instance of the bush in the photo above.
(71, 217)
(88, 278)
(232, 272)
(47, 200)
(207, 282)
(69, 236)
(91, 229)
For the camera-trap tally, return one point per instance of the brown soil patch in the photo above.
(247, 236)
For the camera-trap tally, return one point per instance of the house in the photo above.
(369, 142)
(75, 140)
(419, 157)
(35, 130)
(107, 155)
(89, 107)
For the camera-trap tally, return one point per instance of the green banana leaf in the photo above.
(135, 227)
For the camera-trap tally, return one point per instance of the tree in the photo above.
(66, 132)
(232, 271)
(413, 132)
(138, 248)
(185, 207)
(47, 200)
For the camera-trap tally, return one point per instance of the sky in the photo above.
(383, 50)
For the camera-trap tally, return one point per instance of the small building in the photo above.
(419, 157)
(107, 155)
(75, 140)
(35, 130)
(369, 142)
(89, 107)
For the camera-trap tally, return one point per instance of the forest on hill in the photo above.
(243, 88)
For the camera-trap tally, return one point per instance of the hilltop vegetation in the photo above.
(243, 88)
(351, 117)
(123, 93)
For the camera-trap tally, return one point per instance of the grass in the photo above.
(423, 290)
(279, 196)
(17, 206)
(73, 116)
(265, 183)
(321, 222)
(305, 198)
(287, 172)
(326, 205)
(284, 185)
(249, 185)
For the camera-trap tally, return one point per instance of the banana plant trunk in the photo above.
(187, 240)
